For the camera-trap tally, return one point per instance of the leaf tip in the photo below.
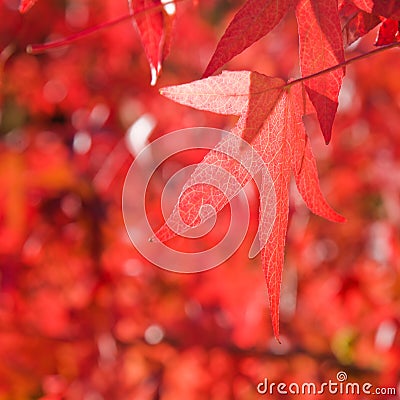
(326, 131)
(335, 217)
(275, 328)
(155, 72)
(341, 219)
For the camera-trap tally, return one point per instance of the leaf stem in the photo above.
(342, 65)
(41, 48)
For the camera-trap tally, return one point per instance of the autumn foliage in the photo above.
(83, 315)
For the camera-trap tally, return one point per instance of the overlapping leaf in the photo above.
(279, 139)
(253, 21)
(228, 94)
(321, 46)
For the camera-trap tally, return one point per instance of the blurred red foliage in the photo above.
(84, 316)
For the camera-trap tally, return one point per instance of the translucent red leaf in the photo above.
(283, 146)
(216, 166)
(304, 166)
(388, 32)
(274, 143)
(25, 5)
(154, 23)
(249, 94)
(253, 21)
(321, 46)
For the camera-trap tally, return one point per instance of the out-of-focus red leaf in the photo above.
(154, 23)
(10, 26)
(386, 8)
(25, 5)
(355, 22)
(281, 142)
(387, 32)
(253, 21)
(321, 46)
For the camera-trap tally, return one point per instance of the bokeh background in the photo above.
(84, 316)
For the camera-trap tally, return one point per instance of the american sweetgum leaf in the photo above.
(283, 146)
(219, 169)
(227, 93)
(321, 46)
(154, 23)
(244, 93)
(253, 21)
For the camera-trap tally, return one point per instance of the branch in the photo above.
(342, 65)
(41, 48)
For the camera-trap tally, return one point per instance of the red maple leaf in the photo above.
(278, 136)
(154, 20)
